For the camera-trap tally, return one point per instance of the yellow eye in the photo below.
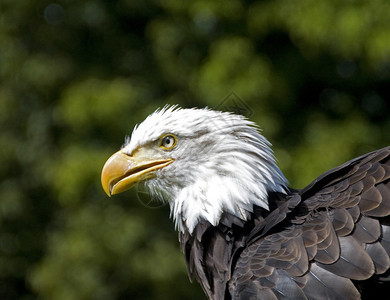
(168, 142)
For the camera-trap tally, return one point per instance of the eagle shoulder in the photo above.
(324, 239)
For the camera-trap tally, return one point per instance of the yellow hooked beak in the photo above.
(122, 171)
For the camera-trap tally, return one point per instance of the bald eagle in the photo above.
(244, 233)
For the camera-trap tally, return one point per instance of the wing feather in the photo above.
(353, 263)
(367, 230)
(370, 200)
(383, 209)
(323, 284)
(343, 222)
(379, 257)
(287, 288)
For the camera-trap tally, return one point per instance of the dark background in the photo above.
(76, 76)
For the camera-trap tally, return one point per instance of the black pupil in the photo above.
(168, 141)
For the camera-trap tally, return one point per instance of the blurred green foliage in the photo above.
(76, 76)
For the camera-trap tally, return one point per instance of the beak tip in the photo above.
(106, 185)
(107, 192)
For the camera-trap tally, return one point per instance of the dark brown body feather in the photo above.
(330, 240)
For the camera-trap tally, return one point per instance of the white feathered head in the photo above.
(202, 162)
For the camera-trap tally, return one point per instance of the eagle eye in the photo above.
(168, 142)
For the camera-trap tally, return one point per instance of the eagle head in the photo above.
(201, 162)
